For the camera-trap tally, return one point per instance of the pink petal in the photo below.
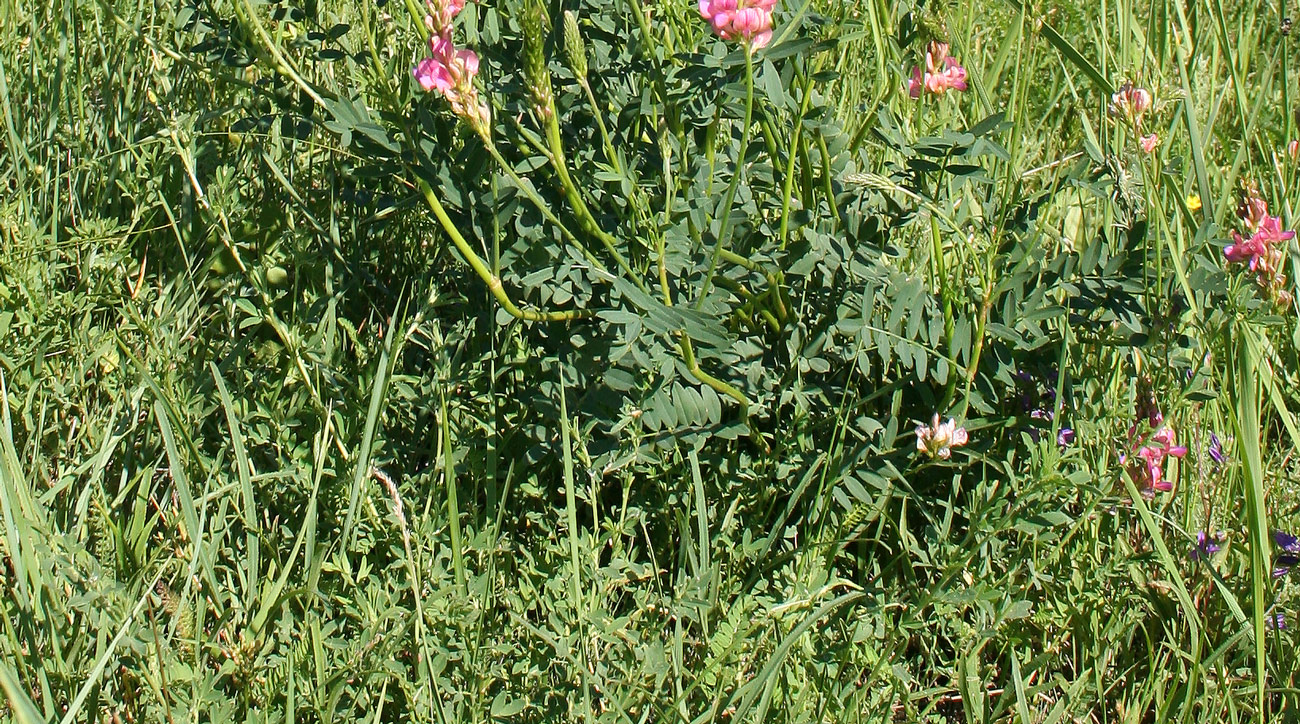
(914, 85)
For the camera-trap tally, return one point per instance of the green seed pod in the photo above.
(574, 49)
(277, 276)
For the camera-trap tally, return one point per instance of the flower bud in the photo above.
(538, 76)
(575, 50)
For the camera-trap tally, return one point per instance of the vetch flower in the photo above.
(1264, 250)
(1149, 143)
(1065, 437)
(1275, 620)
(1293, 150)
(937, 439)
(1130, 102)
(441, 13)
(1290, 555)
(1215, 450)
(1252, 209)
(749, 21)
(451, 72)
(942, 73)
(1147, 465)
(1206, 545)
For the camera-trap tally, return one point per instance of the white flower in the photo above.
(937, 439)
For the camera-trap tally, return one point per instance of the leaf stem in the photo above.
(725, 222)
(493, 281)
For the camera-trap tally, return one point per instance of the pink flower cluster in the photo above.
(1132, 103)
(942, 73)
(441, 13)
(1146, 467)
(451, 71)
(1265, 249)
(750, 21)
(939, 438)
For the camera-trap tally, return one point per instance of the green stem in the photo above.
(541, 205)
(688, 356)
(453, 506)
(725, 223)
(585, 217)
(571, 512)
(493, 282)
(600, 126)
(945, 294)
(787, 184)
(827, 185)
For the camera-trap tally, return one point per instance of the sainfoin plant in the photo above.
(699, 361)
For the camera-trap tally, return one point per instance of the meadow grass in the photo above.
(320, 403)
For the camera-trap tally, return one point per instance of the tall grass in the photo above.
(273, 449)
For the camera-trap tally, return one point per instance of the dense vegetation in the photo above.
(811, 361)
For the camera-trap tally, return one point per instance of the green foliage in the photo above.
(322, 403)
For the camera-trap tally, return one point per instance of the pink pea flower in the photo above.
(1244, 250)
(938, 438)
(1253, 210)
(1293, 150)
(441, 13)
(1261, 248)
(942, 73)
(1147, 466)
(749, 21)
(1130, 102)
(1150, 143)
(451, 72)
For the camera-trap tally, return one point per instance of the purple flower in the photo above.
(1206, 545)
(1216, 449)
(1065, 437)
(1275, 621)
(1290, 555)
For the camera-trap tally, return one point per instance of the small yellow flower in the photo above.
(1194, 203)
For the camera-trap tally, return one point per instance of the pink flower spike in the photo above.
(942, 73)
(1150, 143)
(750, 21)
(441, 13)
(938, 438)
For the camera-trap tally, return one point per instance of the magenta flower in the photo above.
(451, 72)
(1215, 450)
(749, 21)
(942, 73)
(1130, 102)
(1147, 466)
(1264, 250)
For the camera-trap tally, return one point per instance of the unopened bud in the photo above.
(574, 49)
(535, 26)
